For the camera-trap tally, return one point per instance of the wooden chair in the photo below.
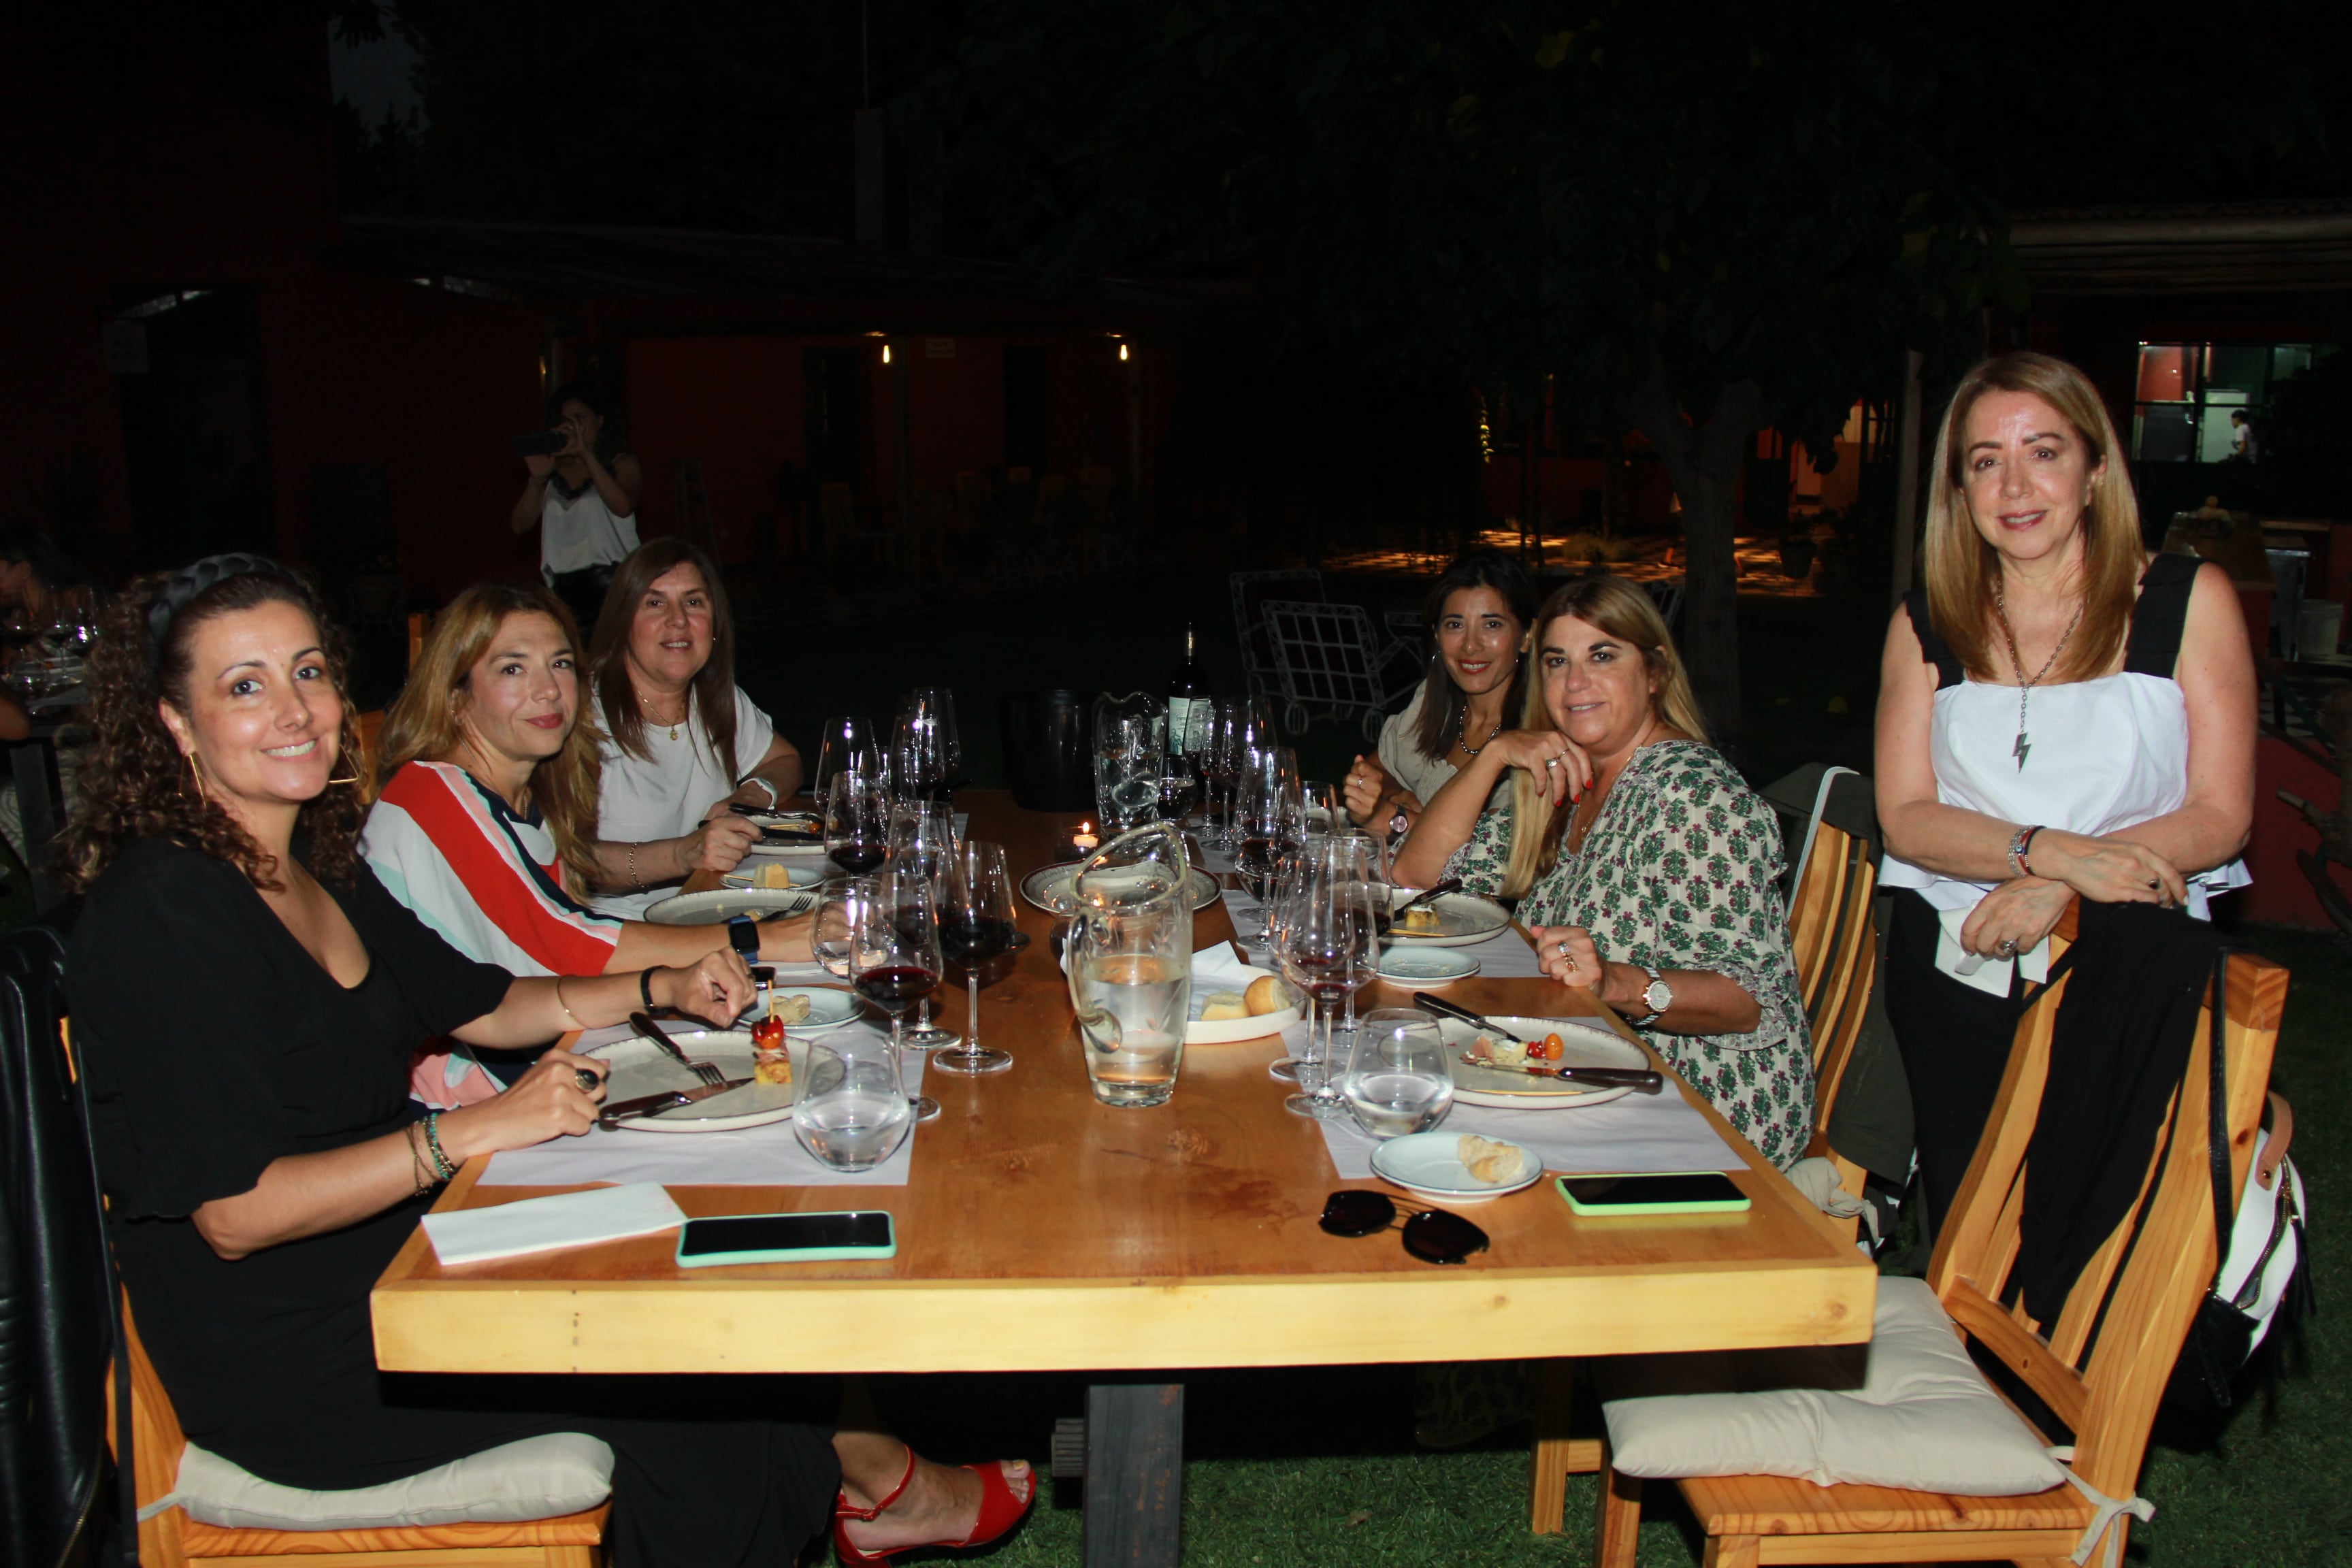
(169, 1539)
(370, 728)
(2139, 1296)
(1833, 934)
(420, 622)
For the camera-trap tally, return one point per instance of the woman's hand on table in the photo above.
(2107, 870)
(1561, 770)
(2014, 917)
(717, 988)
(545, 1102)
(718, 845)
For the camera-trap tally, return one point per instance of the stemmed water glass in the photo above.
(977, 931)
(1327, 950)
(922, 842)
(896, 959)
(832, 927)
(846, 743)
(1268, 816)
(1221, 767)
(928, 743)
(1396, 1081)
(856, 820)
(1384, 892)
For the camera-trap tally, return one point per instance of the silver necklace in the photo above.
(1462, 735)
(2025, 686)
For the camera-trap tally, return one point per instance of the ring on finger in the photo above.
(2008, 948)
(586, 1080)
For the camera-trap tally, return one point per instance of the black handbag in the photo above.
(2229, 1324)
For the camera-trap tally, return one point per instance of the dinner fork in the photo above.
(705, 1072)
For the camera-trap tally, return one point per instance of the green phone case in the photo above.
(785, 1254)
(1612, 1211)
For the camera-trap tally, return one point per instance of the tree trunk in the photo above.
(1704, 462)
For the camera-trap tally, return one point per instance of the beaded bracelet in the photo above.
(424, 1182)
(640, 881)
(433, 1141)
(2021, 845)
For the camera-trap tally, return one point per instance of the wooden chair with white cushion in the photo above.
(542, 1502)
(1834, 938)
(2099, 1369)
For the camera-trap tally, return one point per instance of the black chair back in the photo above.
(57, 1299)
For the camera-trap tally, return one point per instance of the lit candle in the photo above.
(1084, 840)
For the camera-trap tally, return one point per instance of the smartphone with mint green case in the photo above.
(1666, 1192)
(786, 1238)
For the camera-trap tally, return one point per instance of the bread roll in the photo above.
(1222, 1006)
(1268, 995)
(1490, 1161)
(789, 1009)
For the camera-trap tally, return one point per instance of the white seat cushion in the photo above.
(536, 1478)
(1916, 1413)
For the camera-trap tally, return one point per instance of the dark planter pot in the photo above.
(1049, 748)
(1796, 558)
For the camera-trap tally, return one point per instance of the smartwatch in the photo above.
(743, 936)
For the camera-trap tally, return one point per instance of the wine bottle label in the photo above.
(1183, 713)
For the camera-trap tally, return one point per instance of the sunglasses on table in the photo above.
(1433, 1236)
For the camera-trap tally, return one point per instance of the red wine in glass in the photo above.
(897, 986)
(1328, 977)
(968, 942)
(859, 855)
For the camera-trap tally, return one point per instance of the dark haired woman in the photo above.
(583, 500)
(1477, 614)
(683, 742)
(250, 1124)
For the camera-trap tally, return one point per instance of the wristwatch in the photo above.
(1657, 996)
(743, 936)
(1400, 824)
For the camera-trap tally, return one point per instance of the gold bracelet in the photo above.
(424, 1184)
(567, 1007)
(640, 881)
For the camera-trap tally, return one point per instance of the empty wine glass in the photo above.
(1327, 950)
(1267, 815)
(832, 926)
(1221, 765)
(851, 1112)
(1396, 1081)
(935, 705)
(978, 936)
(857, 820)
(844, 743)
(895, 961)
(919, 766)
(922, 842)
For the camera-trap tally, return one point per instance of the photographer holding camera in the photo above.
(584, 501)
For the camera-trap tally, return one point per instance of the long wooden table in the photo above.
(1130, 1244)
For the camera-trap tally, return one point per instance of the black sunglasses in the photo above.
(1433, 1236)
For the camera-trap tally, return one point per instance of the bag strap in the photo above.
(2218, 1112)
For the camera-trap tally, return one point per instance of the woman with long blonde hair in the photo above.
(1644, 866)
(487, 823)
(2060, 714)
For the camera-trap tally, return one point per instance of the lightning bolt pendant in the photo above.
(2021, 749)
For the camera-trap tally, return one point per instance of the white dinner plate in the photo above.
(1417, 963)
(829, 1009)
(641, 1068)
(1582, 1045)
(1048, 888)
(1429, 1164)
(803, 876)
(1461, 919)
(1225, 1031)
(720, 905)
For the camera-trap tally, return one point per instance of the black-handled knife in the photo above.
(1640, 1080)
(1476, 1020)
(667, 1099)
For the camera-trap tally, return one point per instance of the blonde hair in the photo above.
(427, 720)
(1628, 613)
(1962, 570)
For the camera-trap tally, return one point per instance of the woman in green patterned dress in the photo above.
(1654, 887)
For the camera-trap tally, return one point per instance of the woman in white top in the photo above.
(584, 502)
(683, 744)
(2059, 714)
(1478, 615)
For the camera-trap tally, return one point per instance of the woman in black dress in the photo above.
(247, 995)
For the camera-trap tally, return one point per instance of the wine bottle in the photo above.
(1188, 700)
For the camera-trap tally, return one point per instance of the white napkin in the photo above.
(1217, 967)
(541, 1225)
(1989, 975)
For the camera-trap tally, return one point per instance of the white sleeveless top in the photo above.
(582, 532)
(2102, 754)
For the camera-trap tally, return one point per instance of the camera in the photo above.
(542, 443)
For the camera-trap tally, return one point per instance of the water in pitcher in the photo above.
(1133, 1022)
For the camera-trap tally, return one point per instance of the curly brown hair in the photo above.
(134, 782)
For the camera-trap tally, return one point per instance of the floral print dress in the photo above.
(1677, 871)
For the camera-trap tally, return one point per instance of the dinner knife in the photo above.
(667, 1099)
(1450, 885)
(1464, 1015)
(1640, 1080)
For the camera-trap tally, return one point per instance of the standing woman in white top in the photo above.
(683, 742)
(2059, 713)
(584, 502)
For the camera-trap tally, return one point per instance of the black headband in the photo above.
(192, 580)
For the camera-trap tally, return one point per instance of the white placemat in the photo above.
(768, 1156)
(1660, 1132)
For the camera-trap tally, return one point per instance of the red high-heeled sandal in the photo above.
(1000, 1509)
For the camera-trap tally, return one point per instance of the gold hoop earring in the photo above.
(193, 777)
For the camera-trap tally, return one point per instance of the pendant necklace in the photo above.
(2025, 686)
(672, 725)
